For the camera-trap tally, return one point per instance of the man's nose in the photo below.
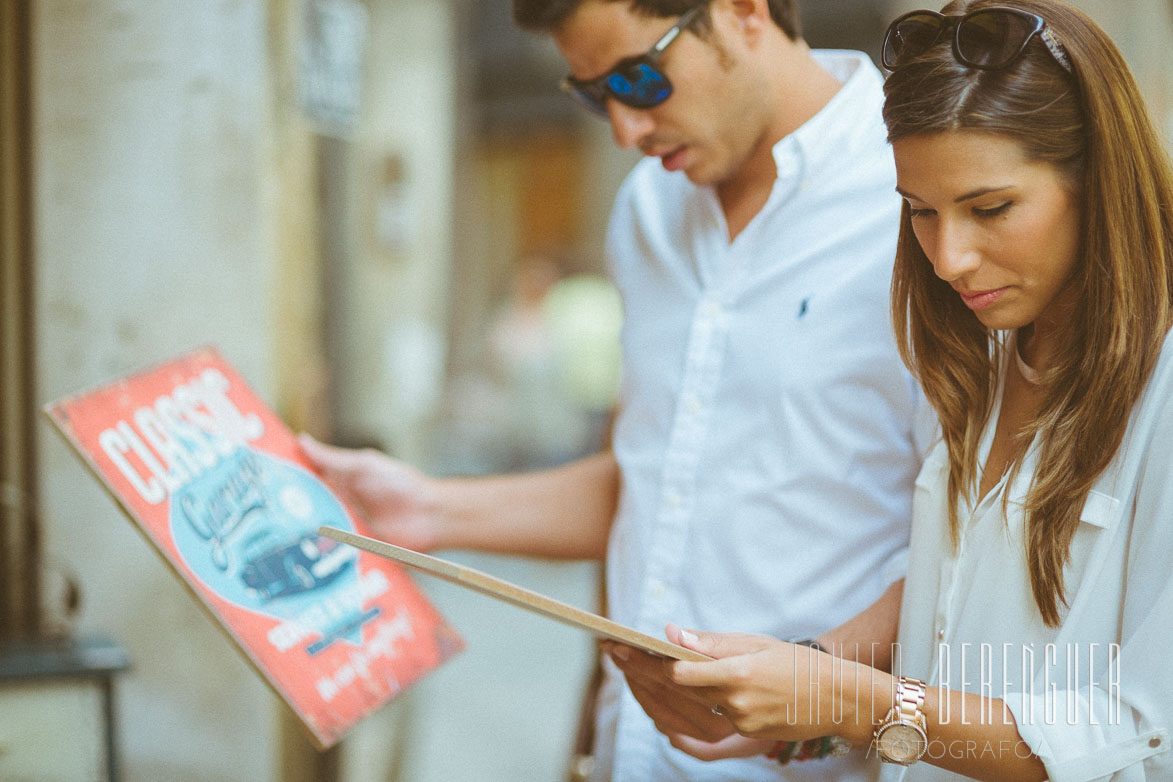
(629, 126)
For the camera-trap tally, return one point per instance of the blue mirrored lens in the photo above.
(641, 86)
(619, 85)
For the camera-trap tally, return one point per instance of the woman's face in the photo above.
(1001, 230)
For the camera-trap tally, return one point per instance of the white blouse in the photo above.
(1092, 697)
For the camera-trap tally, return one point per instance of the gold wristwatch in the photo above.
(902, 737)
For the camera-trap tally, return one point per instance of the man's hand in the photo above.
(394, 499)
(690, 724)
(674, 709)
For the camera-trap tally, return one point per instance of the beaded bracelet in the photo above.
(810, 749)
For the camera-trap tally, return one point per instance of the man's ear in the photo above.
(750, 18)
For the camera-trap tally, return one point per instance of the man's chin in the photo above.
(701, 176)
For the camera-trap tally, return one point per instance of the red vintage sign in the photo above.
(217, 483)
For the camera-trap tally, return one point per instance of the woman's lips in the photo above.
(979, 300)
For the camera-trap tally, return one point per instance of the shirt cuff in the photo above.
(1082, 751)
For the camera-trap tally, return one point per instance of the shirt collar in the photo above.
(837, 123)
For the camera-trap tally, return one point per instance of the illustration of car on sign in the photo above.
(276, 566)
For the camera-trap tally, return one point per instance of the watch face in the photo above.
(900, 743)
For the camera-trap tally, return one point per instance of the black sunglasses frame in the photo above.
(892, 60)
(593, 93)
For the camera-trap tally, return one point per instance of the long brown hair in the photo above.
(1092, 124)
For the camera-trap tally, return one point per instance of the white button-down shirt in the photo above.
(765, 435)
(1093, 698)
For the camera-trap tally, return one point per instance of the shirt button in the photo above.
(693, 404)
(1155, 742)
(940, 634)
(658, 588)
(673, 499)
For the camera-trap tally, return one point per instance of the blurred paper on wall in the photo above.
(334, 44)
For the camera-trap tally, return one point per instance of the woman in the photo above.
(1033, 293)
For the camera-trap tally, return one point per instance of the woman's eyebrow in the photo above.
(981, 191)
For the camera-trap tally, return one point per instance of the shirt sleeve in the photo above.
(1116, 727)
(926, 432)
(896, 566)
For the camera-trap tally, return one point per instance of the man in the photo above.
(762, 462)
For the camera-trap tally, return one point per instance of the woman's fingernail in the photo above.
(622, 652)
(689, 638)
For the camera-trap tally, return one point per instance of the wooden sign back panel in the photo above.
(500, 589)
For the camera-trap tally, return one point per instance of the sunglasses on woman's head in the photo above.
(988, 39)
(637, 81)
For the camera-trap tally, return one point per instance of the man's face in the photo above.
(707, 127)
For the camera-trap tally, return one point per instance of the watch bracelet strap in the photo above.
(909, 700)
(905, 710)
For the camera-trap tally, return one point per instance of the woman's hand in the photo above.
(757, 687)
(766, 688)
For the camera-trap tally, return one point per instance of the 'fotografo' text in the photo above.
(974, 750)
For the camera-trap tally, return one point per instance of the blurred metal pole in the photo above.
(298, 759)
(334, 231)
(19, 530)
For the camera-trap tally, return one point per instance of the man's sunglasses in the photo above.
(988, 39)
(637, 81)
